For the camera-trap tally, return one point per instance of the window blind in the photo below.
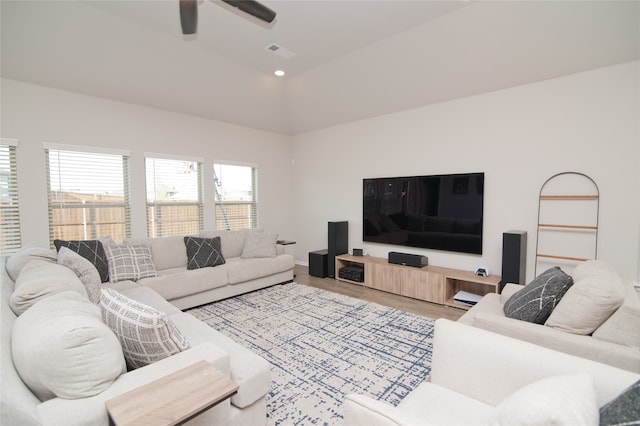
(10, 240)
(175, 196)
(236, 196)
(88, 194)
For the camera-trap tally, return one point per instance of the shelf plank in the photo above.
(553, 256)
(556, 225)
(569, 197)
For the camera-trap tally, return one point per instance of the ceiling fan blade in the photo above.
(253, 8)
(189, 16)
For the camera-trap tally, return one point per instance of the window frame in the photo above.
(91, 227)
(153, 230)
(10, 231)
(222, 206)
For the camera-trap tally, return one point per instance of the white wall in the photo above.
(518, 137)
(35, 114)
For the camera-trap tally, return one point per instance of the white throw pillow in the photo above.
(146, 334)
(62, 348)
(259, 244)
(560, 400)
(40, 279)
(596, 293)
(84, 270)
(130, 262)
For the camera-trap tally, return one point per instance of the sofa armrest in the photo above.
(92, 410)
(489, 367)
(361, 410)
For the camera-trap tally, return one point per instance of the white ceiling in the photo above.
(354, 59)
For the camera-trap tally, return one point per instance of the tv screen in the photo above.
(440, 212)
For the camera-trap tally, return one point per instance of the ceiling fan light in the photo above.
(279, 73)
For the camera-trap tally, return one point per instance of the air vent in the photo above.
(283, 52)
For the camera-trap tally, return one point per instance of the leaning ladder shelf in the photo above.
(558, 208)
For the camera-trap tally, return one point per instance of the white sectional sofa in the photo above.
(481, 378)
(49, 377)
(598, 318)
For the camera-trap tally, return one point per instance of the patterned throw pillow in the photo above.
(624, 410)
(259, 244)
(535, 302)
(146, 334)
(92, 250)
(84, 270)
(130, 262)
(203, 252)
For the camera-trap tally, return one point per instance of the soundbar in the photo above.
(407, 259)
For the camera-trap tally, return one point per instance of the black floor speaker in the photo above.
(514, 258)
(338, 240)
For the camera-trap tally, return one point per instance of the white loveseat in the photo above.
(477, 376)
(30, 339)
(587, 321)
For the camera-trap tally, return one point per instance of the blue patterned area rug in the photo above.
(324, 345)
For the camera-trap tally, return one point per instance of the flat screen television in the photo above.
(440, 212)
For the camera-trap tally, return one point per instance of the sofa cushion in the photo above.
(130, 262)
(242, 270)
(40, 279)
(535, 302)
(592, 298)
(259, 244)
(62, 348)
(146, 334)
(622, 327)
(168, 252)
(203, 252)
(84, 270)
(558, 400)
(19, 260)
(92, 250)
(179, 282)
(623, 410)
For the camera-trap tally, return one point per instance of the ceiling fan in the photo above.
(189, 12)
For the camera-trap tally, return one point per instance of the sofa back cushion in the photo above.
(622, 327)
(596, 293)
(19, 260)
(231, 242)
(40, 279)
(61, 348)
(168, 252)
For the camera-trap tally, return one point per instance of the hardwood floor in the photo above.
(408, 304)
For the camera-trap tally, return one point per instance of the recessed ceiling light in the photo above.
(279, 73)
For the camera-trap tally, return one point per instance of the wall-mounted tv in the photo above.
(440, 212)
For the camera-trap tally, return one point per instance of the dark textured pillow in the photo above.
(203, 252)
(624, 410)
(91, 250)
(535, 302)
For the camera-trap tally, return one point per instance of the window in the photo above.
(9, 213)
(88, 193)
(174, 196)
(236, 196)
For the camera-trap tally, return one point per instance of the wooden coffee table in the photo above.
(173, 399)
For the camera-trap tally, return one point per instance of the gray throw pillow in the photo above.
(203, 252)
(84, 270)
(92, 250)
(130, 262)
(624, 410)
(535, 302)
